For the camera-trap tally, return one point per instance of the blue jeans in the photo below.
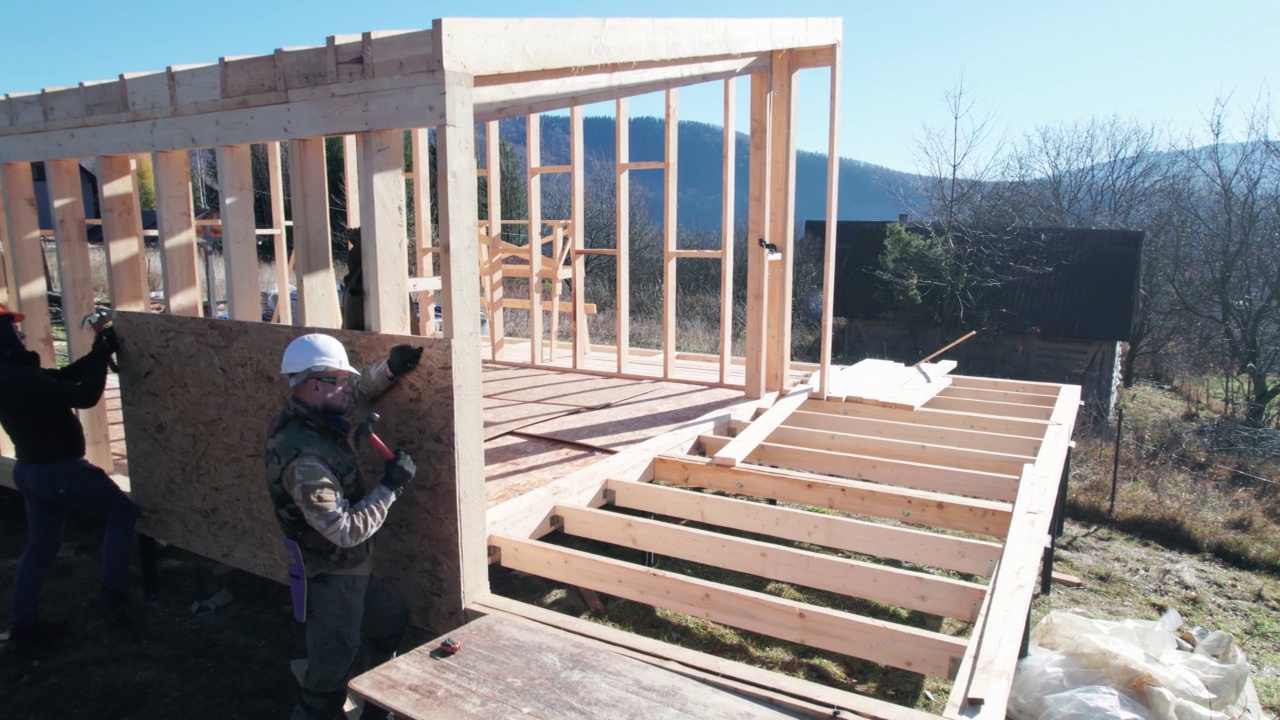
(49, 490)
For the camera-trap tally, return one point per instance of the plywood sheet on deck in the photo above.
(558, 387)
(198, 397)
(501, 415)
(515, 465)
(664, 408)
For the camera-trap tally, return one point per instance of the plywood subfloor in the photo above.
(515, 464)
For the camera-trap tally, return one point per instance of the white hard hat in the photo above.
(315, 352)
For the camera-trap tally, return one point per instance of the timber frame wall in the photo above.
(371, 88)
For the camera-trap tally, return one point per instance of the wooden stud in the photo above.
(284, 260)
(900, 646)
(976, 557)
(176, 221)
(76, 281)
(727, 200)
(878, 583)
(740, 447)
(25, 252)
(578, 193)
(350, 173)
(670, 234)
(496, 285)
(456, 173)
(309, 193)
(384, 241)
(782, 220)
(833, 216)
(922, 507)
(533, 146)
(419, 149)
(122, 234)
(758, 228)
(622, 142)
(239, 232)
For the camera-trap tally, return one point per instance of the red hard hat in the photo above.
(17, 316)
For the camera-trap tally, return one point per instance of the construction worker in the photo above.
(36, 410)
(329, 521)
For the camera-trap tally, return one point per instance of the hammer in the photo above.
(367, 428)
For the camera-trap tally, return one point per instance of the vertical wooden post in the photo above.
(757, 231)
(313, 267)
(419, 150)
(533, 144)
(239, 232)
(456, 163)
(275, 179)
(177, 224)
(26, 255)
(9, 291)
(578, 191)
(384, 242)
(350, 179)
(782, 220)
(75, 278)
(493, 162)
(670, 233)
(622, 268)
(122, 233)
(726, 232)
(833, 217)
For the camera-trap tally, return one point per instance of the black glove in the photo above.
(400, 470)
(106, 341)
(403, 359)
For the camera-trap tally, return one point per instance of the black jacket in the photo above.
(36, 404)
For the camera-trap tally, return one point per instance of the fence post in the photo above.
(1115, 465)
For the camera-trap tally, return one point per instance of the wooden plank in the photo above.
(622, 286)
(419, 149)
(939, 478)
(309, 195)
(513, 667)
(675, 658)
(897, 430)
(758, 228)
(25, 252)
(670, 231)
(986, 407)
(9, 291)
(1023, 386)
(547, 305)
(728, 184)
(76, 285)
(1018, 398)
(175, 219)
(383, 230)
(934, 418)
(921, 507)
(459, 264)
(533, 147)
(976, 557)
(515, 465)
(577, 191)
(122, 233)
(741, 446)
(782, 219)
(926, 593)
(351, 186)
(833, 214)
(239, 232)
(900, 646)
(284, 261)
(502, 415)
(542, 385)
(495, 287)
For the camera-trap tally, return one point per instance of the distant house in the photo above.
(1062, 321)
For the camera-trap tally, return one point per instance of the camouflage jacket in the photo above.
(316, 487)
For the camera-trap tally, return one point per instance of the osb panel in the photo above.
(559, 387)
(198, 396)
(664, 408)
(515, 465)
(502, 416)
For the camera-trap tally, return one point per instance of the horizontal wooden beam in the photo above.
(931, 594)
(934, 418)
(976, 557)
(894, 449)
(987, 407)
(895, 430)
(703, 254)
(642, 165)
(1009, 396)
(737, 449)
(564, 307)
(1023, 386)
(921, 507)
(902, 473)
(900, 646)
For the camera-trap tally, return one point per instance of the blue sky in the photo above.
(1028, 63)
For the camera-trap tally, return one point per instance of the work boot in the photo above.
(113, 606)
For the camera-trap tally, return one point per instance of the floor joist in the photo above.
(934, 417)
(896, 430)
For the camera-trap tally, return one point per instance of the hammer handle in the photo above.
(381, 446)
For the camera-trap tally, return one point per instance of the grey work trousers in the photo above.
(341, 608)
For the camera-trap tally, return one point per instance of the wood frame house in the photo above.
(954, 480)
